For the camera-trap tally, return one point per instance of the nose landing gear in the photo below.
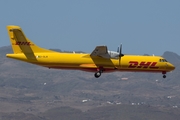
(164, 74)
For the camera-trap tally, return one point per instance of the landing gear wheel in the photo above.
(164, 76)
(97, 74)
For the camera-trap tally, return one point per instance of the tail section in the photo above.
(21, 44)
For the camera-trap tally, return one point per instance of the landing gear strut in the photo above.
(164, 74)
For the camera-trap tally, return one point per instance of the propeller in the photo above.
(119, 50)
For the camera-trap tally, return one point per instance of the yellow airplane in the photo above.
(99, 61)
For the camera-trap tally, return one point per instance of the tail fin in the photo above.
(21, 44)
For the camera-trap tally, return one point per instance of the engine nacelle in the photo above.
(113, 54)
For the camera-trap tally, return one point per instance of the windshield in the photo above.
(163, 60)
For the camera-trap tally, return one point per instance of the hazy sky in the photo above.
(142, 26)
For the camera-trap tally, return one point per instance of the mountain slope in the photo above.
(31, 89)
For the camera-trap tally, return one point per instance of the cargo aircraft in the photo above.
(99, 61)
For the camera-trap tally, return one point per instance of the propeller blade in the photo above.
(120, 53)
(118, 49)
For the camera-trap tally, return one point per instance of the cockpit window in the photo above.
(163, 60)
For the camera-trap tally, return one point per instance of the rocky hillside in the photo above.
(32, 92)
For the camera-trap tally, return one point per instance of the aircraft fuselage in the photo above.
(85, 62)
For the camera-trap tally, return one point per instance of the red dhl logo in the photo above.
(22, 43)
(136, 64)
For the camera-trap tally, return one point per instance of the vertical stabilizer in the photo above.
(21, 44)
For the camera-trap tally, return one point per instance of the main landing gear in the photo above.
(98, 73)
(164, 74)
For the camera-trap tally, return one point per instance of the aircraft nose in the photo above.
(170, 66)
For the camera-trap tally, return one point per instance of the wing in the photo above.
(100, 51)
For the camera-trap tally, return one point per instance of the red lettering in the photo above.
(133, 64)
(28, 43)
(136, 64)
(144, 64)
(153, 65)
(22, 43)
(18, 43)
